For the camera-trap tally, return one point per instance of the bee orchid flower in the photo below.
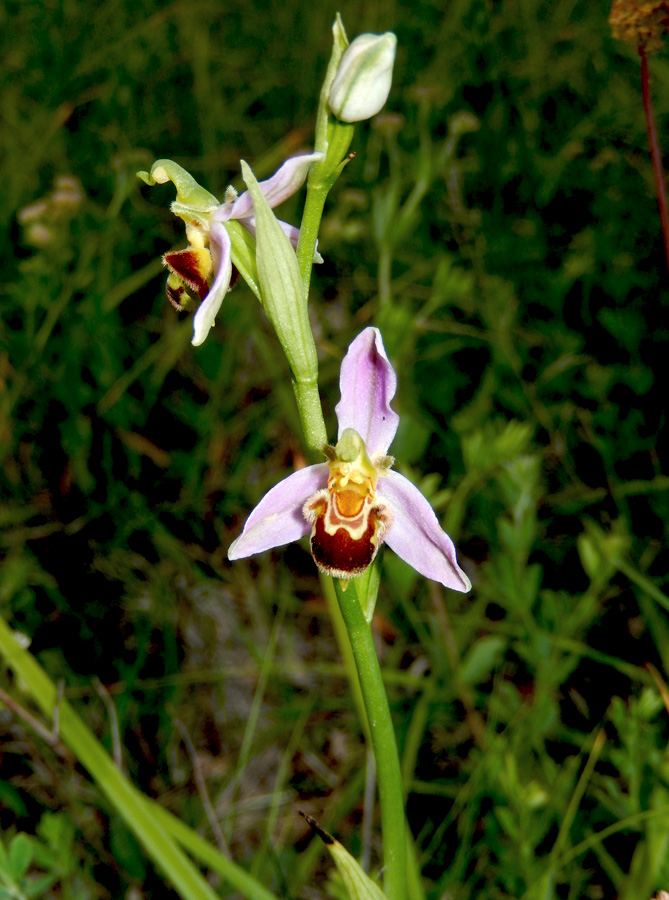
(205, 267)
(355, 502)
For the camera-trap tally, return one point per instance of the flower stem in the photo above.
(311, 223)
(389, 776)
(344, 645)
(321, 178)
(379, 726)
(311, 413)
(658, 169)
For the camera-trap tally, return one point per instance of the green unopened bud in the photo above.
(362, 83)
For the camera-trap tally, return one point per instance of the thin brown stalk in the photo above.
(658, 169)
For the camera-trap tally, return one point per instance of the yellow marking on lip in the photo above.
(349, 503)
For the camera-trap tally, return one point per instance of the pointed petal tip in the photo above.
(278, 518)
(233, 553)
(416, 535)
(462, 584)
(286, 181)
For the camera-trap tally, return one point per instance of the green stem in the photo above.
(389, 776)
(354, 636)
(321, 178)
(657, 623)
(378, 723)
(311, 414)
(156, 829)
(385, 277)
(644, 583)
(348, 660)
(309, 228)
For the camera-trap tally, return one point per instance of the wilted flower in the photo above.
(205, 267)
(362, 83)
(354, 502)
(640, 23)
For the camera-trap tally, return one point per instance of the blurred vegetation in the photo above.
(499, 225)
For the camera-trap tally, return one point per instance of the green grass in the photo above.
(513, 260)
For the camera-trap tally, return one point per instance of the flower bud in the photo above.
(362, 83)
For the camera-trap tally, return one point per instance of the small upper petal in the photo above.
(220, 247)
(285, 182)
(278, 518)
(368, 383)
(416, 535)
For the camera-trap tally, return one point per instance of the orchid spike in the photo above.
(354, 502)
(205, 267)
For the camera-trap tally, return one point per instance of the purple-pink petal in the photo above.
(285, 182)
(291, 232)
(368, 383)
(293, 235)
(220, 247)
(278, 518)
(416, 535)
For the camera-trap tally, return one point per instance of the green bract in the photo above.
(281, 285)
